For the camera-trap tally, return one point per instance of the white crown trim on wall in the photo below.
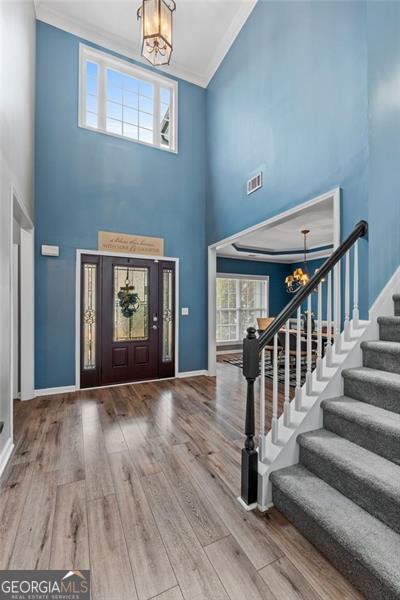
(229, 37)
(108, 41)
(118, 44)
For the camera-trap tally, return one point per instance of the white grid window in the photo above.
(240, 300)
(121, 99)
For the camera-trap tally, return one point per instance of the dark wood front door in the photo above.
(129, 343)
(127, 328)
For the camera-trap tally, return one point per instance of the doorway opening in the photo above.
(22, 288)
(270, 250)
(127, 319)
(16, 310)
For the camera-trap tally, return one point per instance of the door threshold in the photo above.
(112, 385)
(72, 388)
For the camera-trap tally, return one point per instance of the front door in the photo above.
(127, 328)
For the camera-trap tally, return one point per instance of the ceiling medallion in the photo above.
(156, 30)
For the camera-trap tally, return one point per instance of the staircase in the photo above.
(344, 495)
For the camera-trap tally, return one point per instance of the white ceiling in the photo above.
(285, 236)
(203, 29)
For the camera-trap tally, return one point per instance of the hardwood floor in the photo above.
(139, 484)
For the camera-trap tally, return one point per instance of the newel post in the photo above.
(251, 370)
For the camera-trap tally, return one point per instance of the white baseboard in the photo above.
(56, 390)
(264, 509)
(247, 507)
(192, 373)
(5, 455)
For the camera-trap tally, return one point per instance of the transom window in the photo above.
(240, 300)
(122, 99)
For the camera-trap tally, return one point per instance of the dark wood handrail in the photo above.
(266, 337)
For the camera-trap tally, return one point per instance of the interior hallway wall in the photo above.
(17, 110)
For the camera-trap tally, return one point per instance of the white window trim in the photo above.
(265, 308)
(105, 59)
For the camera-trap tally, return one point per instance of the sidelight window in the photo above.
(167, 315)
(89, 316)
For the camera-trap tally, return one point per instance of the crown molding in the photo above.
(281, 259)
(111, 42)
(119, 45)
(229, 37)
(294, 252)
(36, 6)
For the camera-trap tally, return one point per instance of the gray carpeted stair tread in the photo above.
(396, 302)
(395, 321)
(354, 410)
(381, 388)
(364, 424)
(389, 329)
(374, 376)
(382, 346)
(342, 530)
(370, 480)
(383, 355)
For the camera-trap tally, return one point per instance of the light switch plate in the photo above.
(49, 250)
(185, 311)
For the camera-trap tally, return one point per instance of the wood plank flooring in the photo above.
(139, 484)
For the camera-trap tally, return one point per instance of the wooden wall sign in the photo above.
(130, 244)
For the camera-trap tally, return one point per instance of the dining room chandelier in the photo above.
(156, 30)
(300, 277)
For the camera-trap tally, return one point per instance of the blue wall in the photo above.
(290, 97)
(88, 181)
(308, 93)
(278, 297)
(383, 35)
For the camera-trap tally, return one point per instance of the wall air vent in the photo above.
(254, 183)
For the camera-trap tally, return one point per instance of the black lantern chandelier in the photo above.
(300, 277)
(156, 30)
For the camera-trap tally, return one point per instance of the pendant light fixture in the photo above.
(300, 277)
(156, 30)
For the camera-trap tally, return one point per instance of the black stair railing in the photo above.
(253, 345)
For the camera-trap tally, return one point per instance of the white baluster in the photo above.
(319, 333)
(336, 307)
(356, 313)
(347, 299)
(309, 348)
(286, 405)
(328, 350)
(274, 423)
(262, 407)
(298, 361)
